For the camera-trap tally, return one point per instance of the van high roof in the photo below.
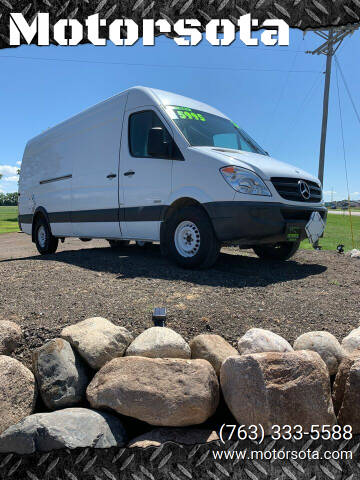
(138, 95)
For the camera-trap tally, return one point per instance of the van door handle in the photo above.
(111, 175)
(129, 173)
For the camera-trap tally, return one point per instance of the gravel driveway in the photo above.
(315, 291)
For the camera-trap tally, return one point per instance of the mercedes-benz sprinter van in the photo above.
(153, 166)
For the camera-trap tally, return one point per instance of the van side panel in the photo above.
(45, 181)
(95, 187)
(65, 171)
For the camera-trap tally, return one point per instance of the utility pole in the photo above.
(333, 39)
(329, 56)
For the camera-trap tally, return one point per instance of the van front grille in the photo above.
(289, 189)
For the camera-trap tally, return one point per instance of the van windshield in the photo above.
(202, 129)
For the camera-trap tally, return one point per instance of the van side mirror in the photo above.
(156, 145)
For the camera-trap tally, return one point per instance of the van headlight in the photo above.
(244, 181)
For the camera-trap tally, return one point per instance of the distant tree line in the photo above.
(8, 199)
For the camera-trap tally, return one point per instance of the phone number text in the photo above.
(285, 432)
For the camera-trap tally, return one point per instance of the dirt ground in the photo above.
(314, 291)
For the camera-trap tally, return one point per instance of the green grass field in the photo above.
(8, 220)
(338, 232)
(337, 229)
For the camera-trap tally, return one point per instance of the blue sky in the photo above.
(274, 93)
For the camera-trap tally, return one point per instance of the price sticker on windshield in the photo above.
(186, 113)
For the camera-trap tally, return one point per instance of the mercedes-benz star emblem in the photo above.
(304, 189)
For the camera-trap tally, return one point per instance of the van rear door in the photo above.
(145, 181)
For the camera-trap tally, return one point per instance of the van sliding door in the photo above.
(95, 194)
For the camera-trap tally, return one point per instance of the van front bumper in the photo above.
(250, 223)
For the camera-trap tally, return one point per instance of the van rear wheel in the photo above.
(190, 238)
(278, 251)
(45, 241)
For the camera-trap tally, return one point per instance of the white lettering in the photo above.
(126, 31)
(93, 23)
(77, 32)
(245, 24)
(212, 32)
(193, 33)
(39, 26)
(131, 28)
(282, 32)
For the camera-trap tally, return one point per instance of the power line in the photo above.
(301, 108)
(347, 88)
(334, 37)
(274, 111)
(278, 49)
(344, 155)
(154, 65)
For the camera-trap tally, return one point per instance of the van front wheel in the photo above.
(278, 251)
(190, 238)
(45, 241)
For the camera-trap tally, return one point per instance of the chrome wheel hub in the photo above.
(187, 239)
(42, 236)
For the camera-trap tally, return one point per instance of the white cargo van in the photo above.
(153, 166)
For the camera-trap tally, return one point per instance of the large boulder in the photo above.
(346, 394)
(17, 392)
(352, 341)
(10, 337)
(258, 340)
(276, 388)
(159, 342)
(160, 391)
(184, 436)
(61, 375)
(97, 340)
(212, 348)
(69, 428)
(325, 344)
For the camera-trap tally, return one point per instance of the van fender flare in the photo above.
(44, 213)
(188, 196)
(196, 194)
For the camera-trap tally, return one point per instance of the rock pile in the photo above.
(96, 376)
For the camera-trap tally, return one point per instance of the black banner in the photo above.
(302, 14)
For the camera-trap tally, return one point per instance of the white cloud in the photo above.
(18, 162)
(329, 192)
(13, 178)
(8, 170)
(355, 193)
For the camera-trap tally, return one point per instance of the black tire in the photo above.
(278, 251)
(206, 245)
(117, 244)
(45, 241)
